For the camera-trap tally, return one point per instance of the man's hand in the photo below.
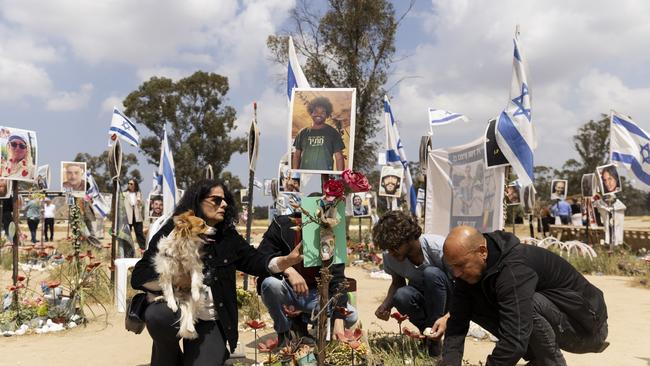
(297, 282)
(295, 256)
(383, 312)
(439, 327)
(338, 329)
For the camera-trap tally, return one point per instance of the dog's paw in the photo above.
(188, 334)
(172, 305)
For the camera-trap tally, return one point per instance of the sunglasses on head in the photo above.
(16, 145)
(216, 200)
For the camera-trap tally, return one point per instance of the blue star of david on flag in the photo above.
(645, 153)
(519, 102)
(122, 126)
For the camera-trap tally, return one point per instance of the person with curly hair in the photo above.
(416, 257)
(319, 146)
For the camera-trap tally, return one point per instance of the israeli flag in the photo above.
(396, 156)
(295, 77)
(122, 127)
(100, 206)
(438, 117)
(514, 129)
(167, 172)
(630, 148)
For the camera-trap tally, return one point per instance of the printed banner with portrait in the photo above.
(267, 187)
(559, 189)
(18, 154)
(321, 130)
(73, 177)
(462, 191)
(390, 181)
(610, 181)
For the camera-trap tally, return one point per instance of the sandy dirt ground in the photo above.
(109, 344)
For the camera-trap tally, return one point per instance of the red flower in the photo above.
(42, 254)
(106, 246)
(20, 278)
(57, 257)
(255, 324)
(399, 317)
(357, 182)
(343, 311)
(69, 257)
(351, 335)
(268, 345)
(354, 344)
(333, 190)
(11, 288)
(28, 248)
(291, 311)
(20, 285)
(53, 284)
(412, 334)
(90, 255)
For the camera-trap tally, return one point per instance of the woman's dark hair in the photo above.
(320, 102)
(135, 184)
(195, 195)
(394, 229)
(611, 169)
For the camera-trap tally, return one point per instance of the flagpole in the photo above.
(115, 162)
(251, 178)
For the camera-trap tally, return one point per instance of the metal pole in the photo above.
(359, 229)
(114, 232)
(16, 219)
(249, 219)
(512, 213)
(530, 225)
(42, 219)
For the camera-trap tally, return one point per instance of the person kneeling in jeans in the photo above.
(409, 255)
(297, 287)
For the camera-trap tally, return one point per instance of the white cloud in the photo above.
(22, 79)
(70, 101)
(113, 101)
(173, 73)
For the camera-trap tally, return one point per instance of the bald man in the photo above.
(531, 299)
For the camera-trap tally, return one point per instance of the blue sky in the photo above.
(64, 64)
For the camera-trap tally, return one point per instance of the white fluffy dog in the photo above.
(178, 257)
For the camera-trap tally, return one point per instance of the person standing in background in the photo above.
(33, 214)
(48, 213)
(133, 205)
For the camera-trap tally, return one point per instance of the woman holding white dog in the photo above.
(224, 253)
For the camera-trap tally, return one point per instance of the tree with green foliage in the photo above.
(98, 166)
(351, 45)
(199, 124)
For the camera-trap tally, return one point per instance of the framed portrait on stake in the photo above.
(19, 152)
(73, 177)
(513, 195)
(43, 177)
(390, 181)
(610, 181)
(587, 185)
(156, 206)
(359, 204)
(558, 189)
(321, 130)
(5, 188)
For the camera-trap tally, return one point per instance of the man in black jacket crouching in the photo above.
(531, 299)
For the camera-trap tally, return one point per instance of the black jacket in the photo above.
(278, 240)
(504, 294)
(229, 252)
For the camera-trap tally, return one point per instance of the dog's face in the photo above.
(187, 225)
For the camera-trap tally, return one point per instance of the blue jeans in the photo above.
(277, 292)
(426, 304)
(33, 227)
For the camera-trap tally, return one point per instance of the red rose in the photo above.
(356, 181)
(333, 189)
